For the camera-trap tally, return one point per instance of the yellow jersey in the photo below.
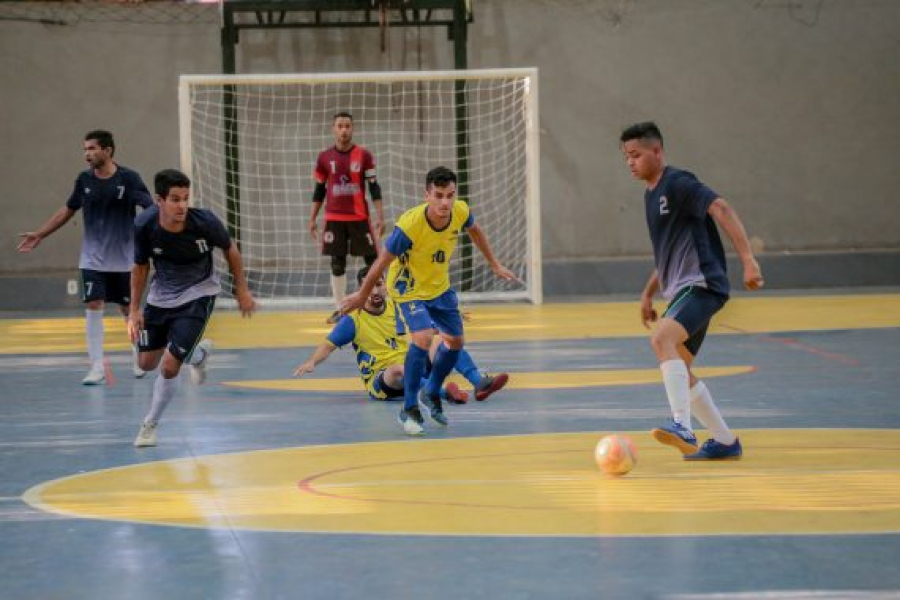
(374, 338)
(422, 268)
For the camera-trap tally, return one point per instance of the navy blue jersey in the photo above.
(686, 243)
(183, 261)
(109, 206)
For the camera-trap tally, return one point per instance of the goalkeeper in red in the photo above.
(340, 174)
(418, 252)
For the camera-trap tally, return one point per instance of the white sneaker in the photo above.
(146, 436)
(96, 375)
(135, 367)
(198, 371)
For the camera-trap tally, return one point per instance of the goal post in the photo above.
(249, 144)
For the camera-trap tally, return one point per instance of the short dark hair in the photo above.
(642, 131)
(103, 137)
(440, 177)
(362, 275)
(343, 114)
(166, 179)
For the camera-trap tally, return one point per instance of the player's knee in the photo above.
(422, 339)
(394, 377)
(148, 361)
(168, 370)
(338, 265)
(454, 342)
(660, 342)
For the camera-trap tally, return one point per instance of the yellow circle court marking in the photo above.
(517, 381)
(789, 482)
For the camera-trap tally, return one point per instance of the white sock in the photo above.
(677, 382)
(196, 356)
(163, 392)
(94, 334)
(707, 413)
(339, 288)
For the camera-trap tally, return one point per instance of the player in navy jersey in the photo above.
(108, 194)
(682, 214)
(340, 174)
(180, 241)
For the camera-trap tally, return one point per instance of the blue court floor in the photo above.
(264, 487)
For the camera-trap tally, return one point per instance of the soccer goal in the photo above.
(250, 142)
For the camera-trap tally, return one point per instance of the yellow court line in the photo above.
(517, 381)
(497, 323)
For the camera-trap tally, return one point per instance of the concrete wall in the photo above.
(788, 109)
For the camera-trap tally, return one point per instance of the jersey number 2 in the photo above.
(663, 205)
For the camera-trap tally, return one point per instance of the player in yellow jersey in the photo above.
(422, 243)
(380, 352)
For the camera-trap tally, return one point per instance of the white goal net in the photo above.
(250, 142)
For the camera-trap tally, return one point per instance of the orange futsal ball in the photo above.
(615, 454)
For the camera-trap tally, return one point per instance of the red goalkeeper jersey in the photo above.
(344, 175)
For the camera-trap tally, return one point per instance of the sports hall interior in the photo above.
(265, 486)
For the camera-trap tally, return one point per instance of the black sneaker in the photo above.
(434, 406)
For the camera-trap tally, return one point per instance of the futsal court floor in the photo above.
(268, 487)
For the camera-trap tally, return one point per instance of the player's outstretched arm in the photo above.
(319, 356)
(727, 218)
(357, 299)
(32, 239)
(241, 290)
(139, 274)
(480, 240)
(648, 313)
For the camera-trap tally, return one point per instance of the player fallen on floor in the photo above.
(381, 351)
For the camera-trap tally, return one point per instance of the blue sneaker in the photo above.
(434, 406)
(676, 435)
(713, 450)
(412, 420)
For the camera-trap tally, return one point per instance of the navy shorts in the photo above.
(109, 286)
(441, 313)
(181, 327)
(693, 307)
